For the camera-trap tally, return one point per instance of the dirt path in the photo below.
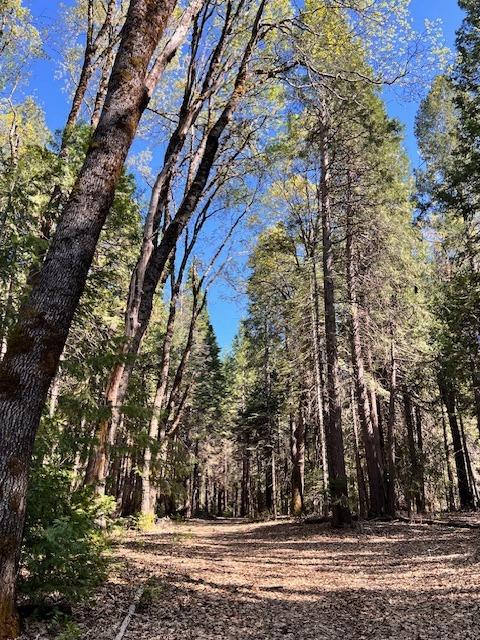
(237, 581)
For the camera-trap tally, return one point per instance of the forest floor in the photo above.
(232, 580)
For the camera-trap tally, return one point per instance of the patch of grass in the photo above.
(181, 536)
(70, 631)
(153, 590)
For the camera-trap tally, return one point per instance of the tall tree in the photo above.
(156, 251)
(36, 342)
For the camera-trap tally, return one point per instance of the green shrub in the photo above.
(64, 545)
(64, 628)
(71, 631)
(145, 521)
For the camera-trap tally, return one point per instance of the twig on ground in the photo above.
(130, 612)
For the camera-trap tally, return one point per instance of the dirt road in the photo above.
(236, 581)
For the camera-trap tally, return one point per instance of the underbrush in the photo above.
(153, 590)
(65, 543)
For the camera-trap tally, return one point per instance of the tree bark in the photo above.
(372, 453)
(471, 475)
(54, 392)
(318, 364)
(297, 451)
(274, 485)
(195, 500)
(268, 458)
(390, 443)
(103, 84)
(421, 459)
(450, 494)
(362, 488)
(448, 398)
(36, 342)
(414, 488)
(375, 414)
(334, 435)
(158, 405)
(6, 311)
(246, 500)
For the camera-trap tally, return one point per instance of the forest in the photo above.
(234, 166)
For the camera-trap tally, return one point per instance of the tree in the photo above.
(455, 284)
(37, 340)
(464, 183)
(152, 266)
(19, 42)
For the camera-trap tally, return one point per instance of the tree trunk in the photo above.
(420, 460)
(268, 456)
(36, 342)
(195, 500)
(372, 452)
(318, 363)
(297, 451)
(476, 393)
(375, 414)
(448, 398)
(105, 74)
(414, 488)
(151, 265)
(274, 485)
(96, 473)
(471, 475)
(334, 435)
(54, 393)
(374, 402)
(91, 47)
(390, 443)
(362, 488)
(6, 311)
(246, 498)
(450, 494)
(159, 400)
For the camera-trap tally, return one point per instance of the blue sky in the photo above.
(225, 307)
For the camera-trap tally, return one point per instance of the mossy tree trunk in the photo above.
(36, 342)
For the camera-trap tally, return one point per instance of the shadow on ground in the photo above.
(385, 581)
